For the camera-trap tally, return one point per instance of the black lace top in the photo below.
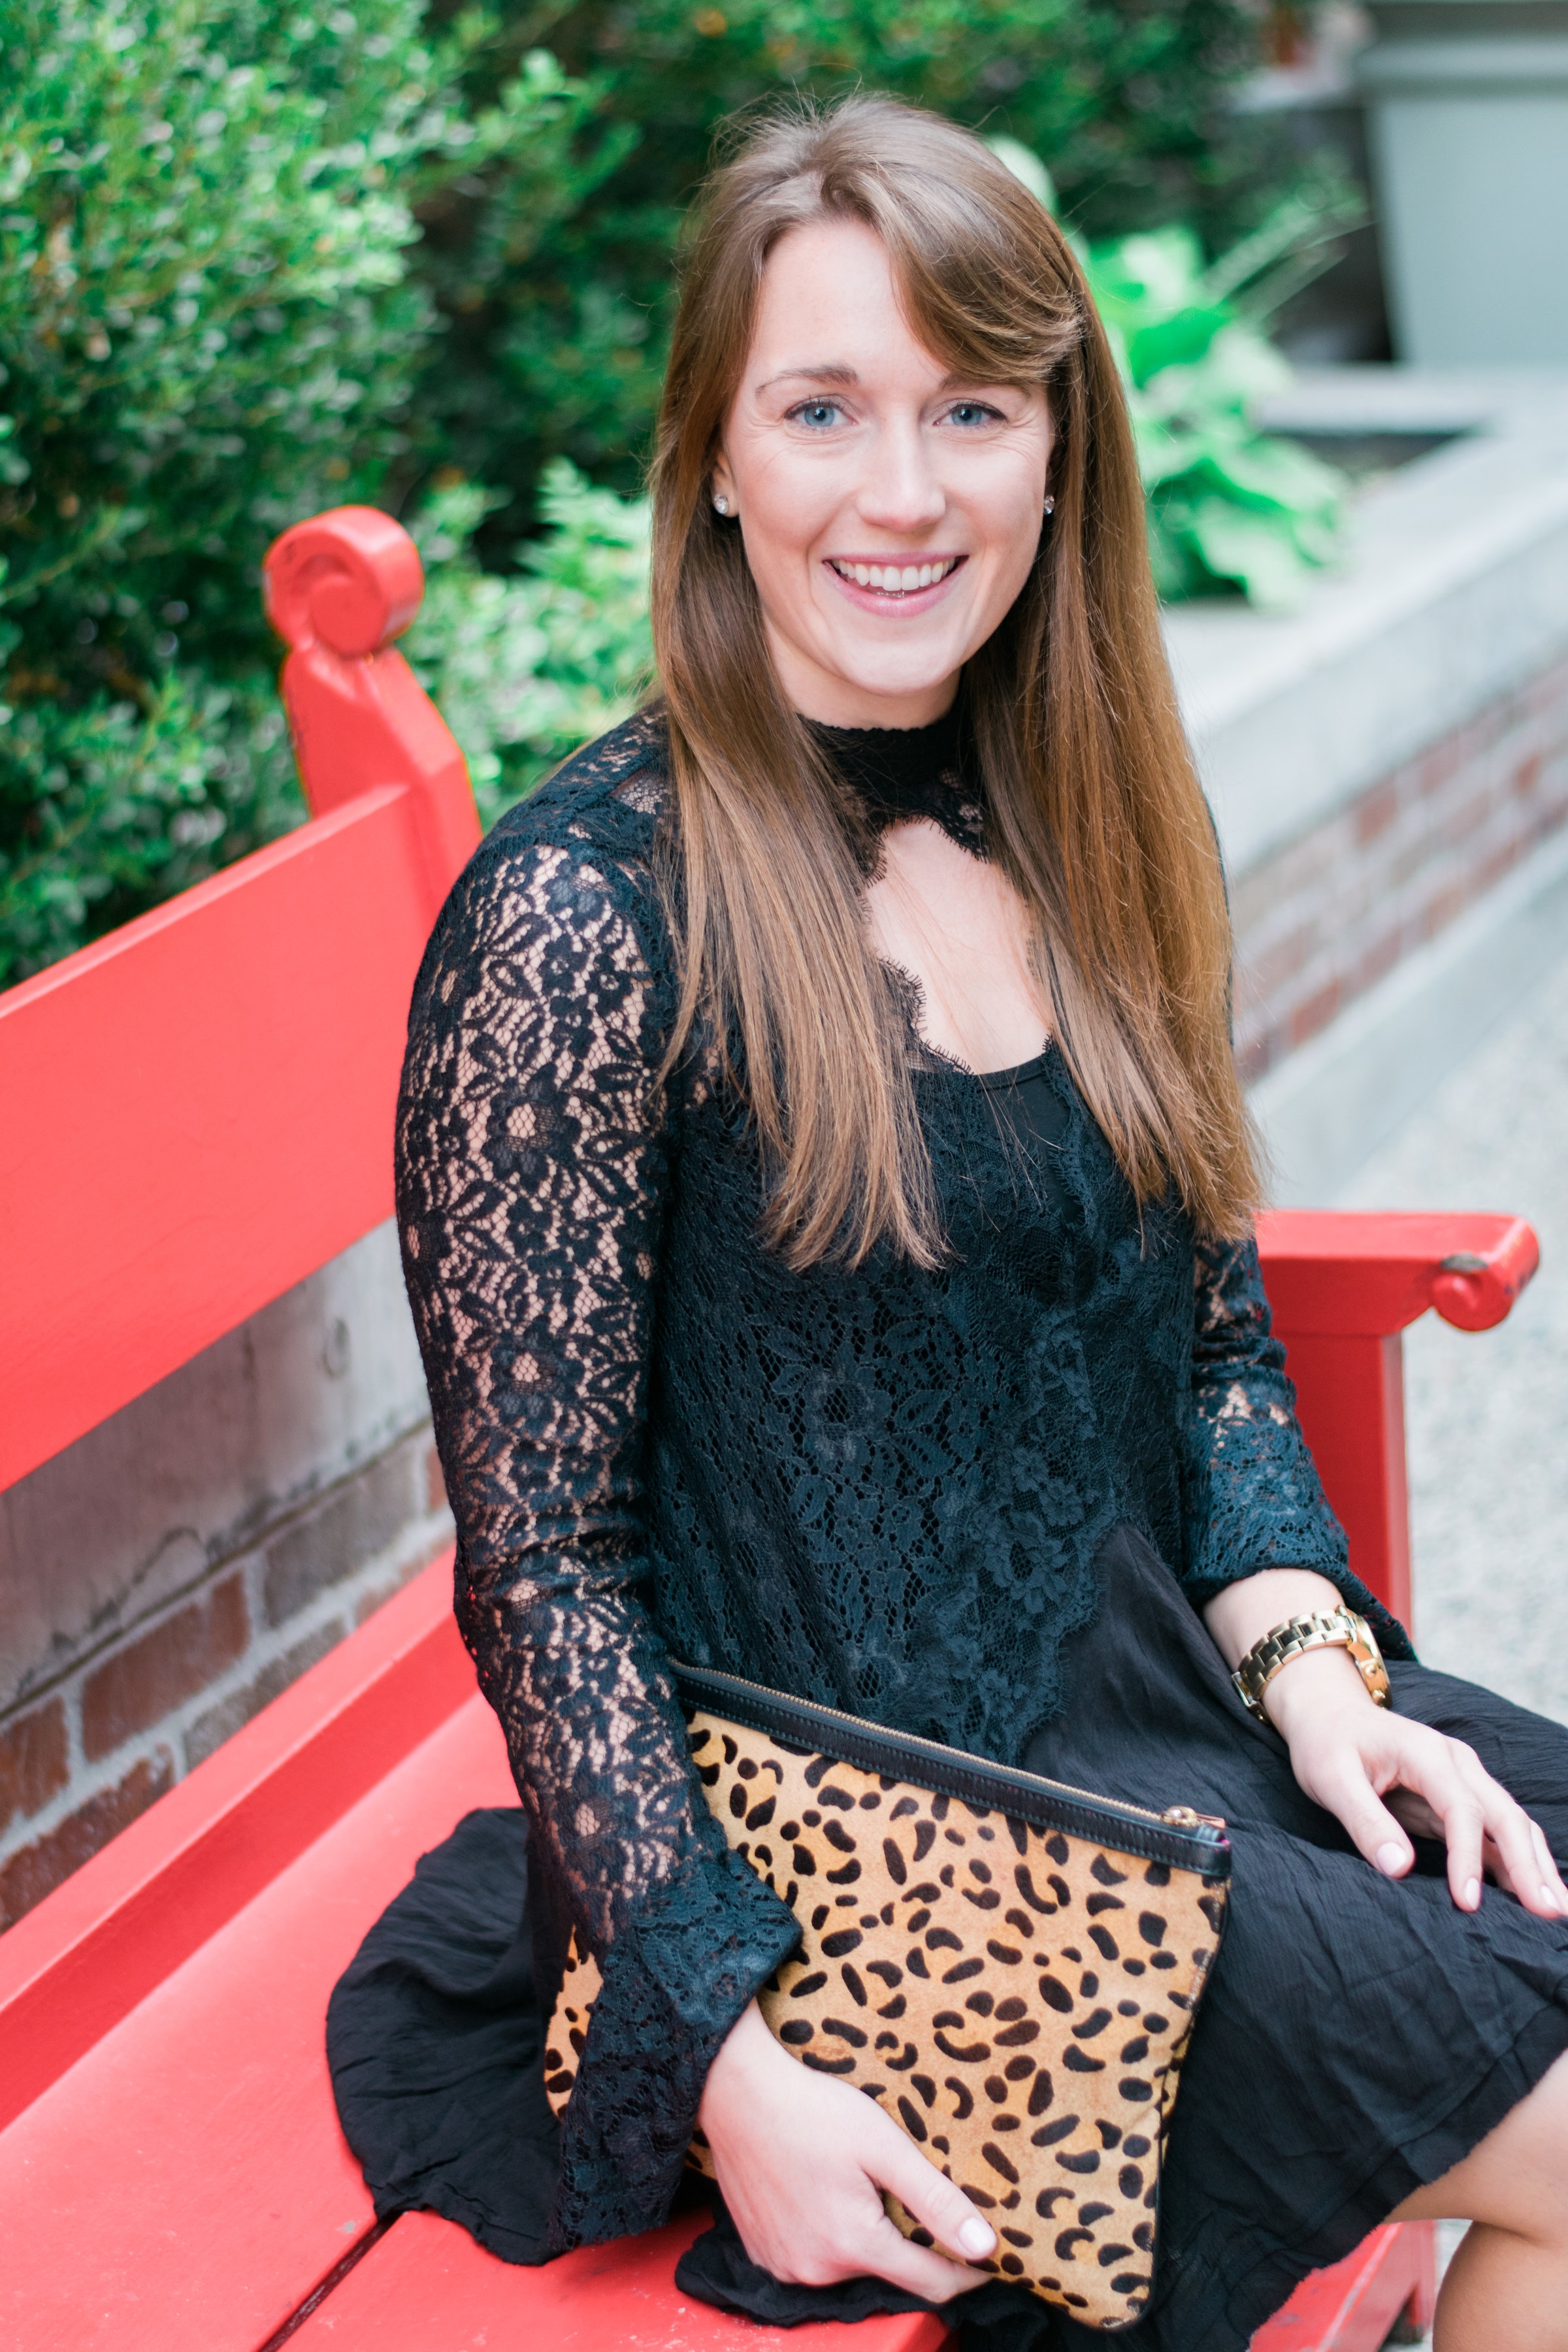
(885, 1489)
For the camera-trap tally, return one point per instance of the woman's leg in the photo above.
(1507, 2287)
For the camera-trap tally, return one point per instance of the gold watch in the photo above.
(1330, 1629)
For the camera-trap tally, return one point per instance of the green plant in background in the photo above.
(1229, 506)
(208, 328)
(527, 668)
(556, 339)
(263, 257)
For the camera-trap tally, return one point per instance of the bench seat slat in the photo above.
(185, 2184)
(428, 2283)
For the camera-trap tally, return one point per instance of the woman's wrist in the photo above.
(747, 2046)
(1306, 1689)
(1243, 1612)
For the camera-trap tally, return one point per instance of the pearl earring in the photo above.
(722, 506)
(1050, 506)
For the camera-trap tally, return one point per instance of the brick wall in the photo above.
(1321, 920)
(166, 1576)
(125, 1723)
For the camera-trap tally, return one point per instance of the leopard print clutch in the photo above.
(1010, 1966)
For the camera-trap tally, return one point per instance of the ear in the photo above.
(721, 483)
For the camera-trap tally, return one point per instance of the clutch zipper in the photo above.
(1180, 1817)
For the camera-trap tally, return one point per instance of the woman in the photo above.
(826, 1198)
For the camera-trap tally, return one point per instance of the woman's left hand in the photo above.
(1383, 1776)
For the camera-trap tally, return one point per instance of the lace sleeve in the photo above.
(1253, 1498)
(531, 1181)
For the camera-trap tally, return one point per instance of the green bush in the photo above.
(556, 340)
(256, 259)
(208, 328)
(526, 667)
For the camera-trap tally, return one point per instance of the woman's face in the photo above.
(891, 509)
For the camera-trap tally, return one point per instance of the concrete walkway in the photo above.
(1487, 1413)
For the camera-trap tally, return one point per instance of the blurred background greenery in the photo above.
(259, 258)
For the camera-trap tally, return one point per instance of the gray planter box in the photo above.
(1468, 105)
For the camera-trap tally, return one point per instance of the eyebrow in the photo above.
(835, 371)
(830, 372)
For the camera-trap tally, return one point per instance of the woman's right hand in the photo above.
(802, 2159)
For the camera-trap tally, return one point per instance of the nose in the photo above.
(901, 490)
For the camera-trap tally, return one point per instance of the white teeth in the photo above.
(894, 579)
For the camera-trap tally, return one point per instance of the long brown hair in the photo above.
(1094, 812)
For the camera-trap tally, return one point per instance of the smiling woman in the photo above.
(825, 1195)
(890, 511)
(890, 507)
(884, 354)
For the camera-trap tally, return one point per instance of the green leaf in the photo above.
(1236, 545)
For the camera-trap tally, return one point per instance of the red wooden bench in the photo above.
(199, 1114)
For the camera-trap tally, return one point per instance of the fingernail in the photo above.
(1391, 1859)
(1549, 1896)
(1472, 1893)
(976, 2237)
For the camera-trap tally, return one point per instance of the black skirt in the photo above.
(1360, 2035)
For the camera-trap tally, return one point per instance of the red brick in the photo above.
(37, 1869)
(1502, 860)
(139, 1684)
(34, 1761)
(1377, 960)
(1527, 775)
(1316, 1012)
(1270, 969)
(1466, 818)
(219, 1723)
(1375, 811)
(1441, 910)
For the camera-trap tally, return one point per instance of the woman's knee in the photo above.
(1517, 2178)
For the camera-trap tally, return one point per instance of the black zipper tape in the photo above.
(949, 1772)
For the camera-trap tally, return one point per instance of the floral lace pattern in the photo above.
(886, 1490)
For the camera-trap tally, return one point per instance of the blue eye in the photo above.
(971, 411)
(816, 414)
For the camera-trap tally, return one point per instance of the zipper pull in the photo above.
(1182, 1817)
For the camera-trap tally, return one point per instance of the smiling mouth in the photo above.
(896, 579)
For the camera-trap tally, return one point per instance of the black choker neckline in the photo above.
(901, 773)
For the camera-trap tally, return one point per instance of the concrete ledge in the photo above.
(1471, 67)
(1454, 591)
(1336, 1101)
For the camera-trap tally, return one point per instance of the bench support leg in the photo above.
(1383, 2293)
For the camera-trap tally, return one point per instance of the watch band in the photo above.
(1327, 1629)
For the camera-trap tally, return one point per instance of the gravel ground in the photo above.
(1487, 1413)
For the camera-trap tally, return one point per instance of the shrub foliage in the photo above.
(263, 257)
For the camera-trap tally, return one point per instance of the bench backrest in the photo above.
(197, 1110)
